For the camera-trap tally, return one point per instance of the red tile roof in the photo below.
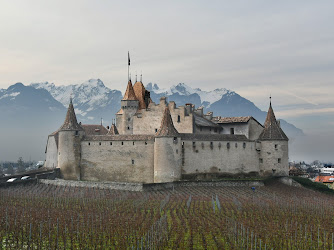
(326, 179)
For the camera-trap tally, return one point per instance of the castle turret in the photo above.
(69, 147)
(113, 130)
(129, 106)
(274, 159)
(167, 151)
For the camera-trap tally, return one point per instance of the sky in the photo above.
(257, 48)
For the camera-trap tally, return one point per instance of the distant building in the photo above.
(152, 143)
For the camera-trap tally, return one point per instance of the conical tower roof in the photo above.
(70, 122)
(139, 91)
(113, 130)
(129, 93)
(167, 127)
(272, 131)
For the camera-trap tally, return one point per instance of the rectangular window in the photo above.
(122, 143)
(276, 146)
(244, 144)
(261, 160)
(100, 143)
(232, 131)
(110, 143)
(194, 144)
(156, 130)
(88, 143)
(279, 160)
(228, 145)
(133, 162)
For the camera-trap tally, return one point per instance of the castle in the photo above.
(154, 143)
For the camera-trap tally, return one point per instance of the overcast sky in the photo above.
(256, 48)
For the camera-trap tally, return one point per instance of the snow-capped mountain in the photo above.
(206, 97)
(92, 99)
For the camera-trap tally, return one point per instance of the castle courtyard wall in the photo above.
(215, 157)
(123, 161)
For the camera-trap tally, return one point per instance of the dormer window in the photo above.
(178, 118)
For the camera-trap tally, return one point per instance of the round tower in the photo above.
(69, 146)
(167, 151)
(274, 155)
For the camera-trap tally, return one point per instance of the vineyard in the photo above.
(39, 216)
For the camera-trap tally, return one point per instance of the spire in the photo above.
(272, 130)
(129, 93)
(70, 122)
(113, 130)
(167, 127)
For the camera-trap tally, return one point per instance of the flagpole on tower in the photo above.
(128, 66)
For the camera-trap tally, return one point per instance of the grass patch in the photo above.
(317, 186)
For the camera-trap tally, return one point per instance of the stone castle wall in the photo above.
(129, 161)
(217, 157)
(51, 160)
(274, 158)
(149, 121)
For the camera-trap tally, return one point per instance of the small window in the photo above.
(276, 146)
(156, 130)
(146, 143)
(175, 140)
(236, 145)
(244, 145)
(100, 143)
(279, 160)
(110, 143)
(133, 162)
(261, 160)
(219, 145)
(194, 144)
(215, 130)
(202, 145)
(177, 151)
(88, 143)
(129, 119)
(232, 131)
(128, 128)
(77, 132)
(122, 143)
(133, 143)
(211, 145)
(228, 145)
(178, 118)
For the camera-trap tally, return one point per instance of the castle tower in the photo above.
(274, 159)
(69, 146)
(129, 106)
(167, 151)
